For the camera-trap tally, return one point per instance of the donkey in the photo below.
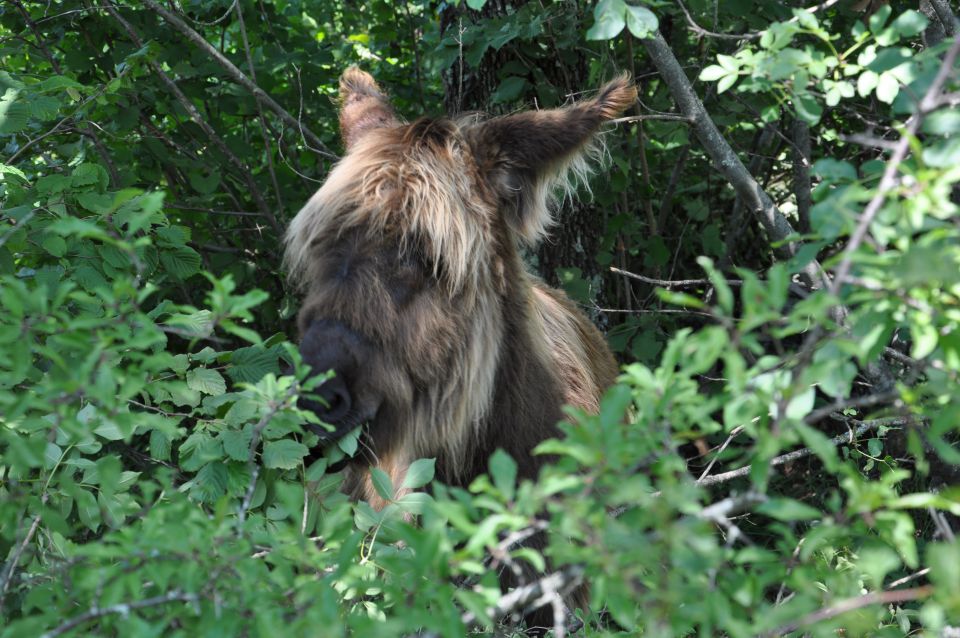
(442, 343)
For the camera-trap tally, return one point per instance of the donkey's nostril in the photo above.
(336, 396)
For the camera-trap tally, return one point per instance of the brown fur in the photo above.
(410, 249)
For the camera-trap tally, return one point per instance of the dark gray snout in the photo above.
(330, 345)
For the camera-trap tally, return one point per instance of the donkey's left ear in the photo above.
(523, 155)
(363, 106)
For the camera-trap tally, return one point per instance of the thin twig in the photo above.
(701, 32)
(252, 466)
(640, 118)
(733, 434)
(907, 579)
(858, 402)
(199, 121)
(802, 155)
(12, 563)
(263, 120)
(888, 182)
(674, 283)
(531, 596)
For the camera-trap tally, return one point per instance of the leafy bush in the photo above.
(782, 458)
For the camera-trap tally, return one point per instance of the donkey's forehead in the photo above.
(413, 181)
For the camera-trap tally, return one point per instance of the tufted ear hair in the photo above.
(363, 106)
(528, 155)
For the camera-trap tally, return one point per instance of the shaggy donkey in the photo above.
(416, 296)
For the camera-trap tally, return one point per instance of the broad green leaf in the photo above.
(285, 454)
(609, 20)
(788, 509)
(207, 381)
(887, 87)
(503, 471)
(641, 21)
(419, 473)
(382, 483)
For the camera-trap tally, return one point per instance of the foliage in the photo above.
(157, 476)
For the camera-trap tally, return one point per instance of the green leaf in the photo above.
(503, 471)
(382, 483)
(713, 72)
(206, 381)
(284, 454)
(909, 23)
(419, 473)
(801, 405)
(609, 20)
(509, 90)
(641, 21)
(252, 363)
(55, 245)
(887, 87)
(807, 108)
(181, 262)
(476, 5)
(414, 502)
(867, 82)
(726, 82)
(788, 509)
(236, 443)
(88, 509)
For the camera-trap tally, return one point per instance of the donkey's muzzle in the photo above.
(331, 346)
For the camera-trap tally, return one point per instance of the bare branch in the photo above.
(317, 146)
(701, 32)
(852, 604)
(122, 609)
(858, 402)
(532, 596)
(674, 283)
(848, 437)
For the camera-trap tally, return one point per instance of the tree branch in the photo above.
(801, 172)
(316, 145)
(723, 156)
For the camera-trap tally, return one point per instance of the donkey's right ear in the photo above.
(363, 106)
(525, 154)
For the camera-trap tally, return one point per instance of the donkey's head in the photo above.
(408, 258)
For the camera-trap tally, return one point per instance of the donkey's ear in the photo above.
(525, 155)
(363, 106)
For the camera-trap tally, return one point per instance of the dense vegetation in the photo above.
(779, 456)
